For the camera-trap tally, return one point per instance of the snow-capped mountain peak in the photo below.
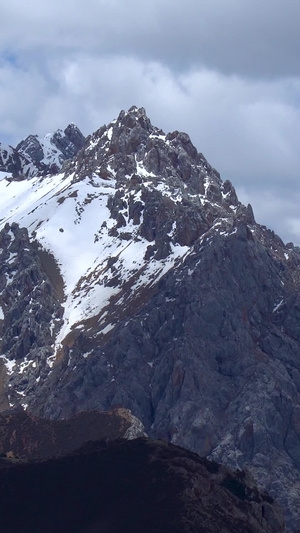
(125, 210)
(41, 155)
(134, 277)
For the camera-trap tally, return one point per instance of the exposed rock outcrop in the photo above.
(30, 438)
(30, 299)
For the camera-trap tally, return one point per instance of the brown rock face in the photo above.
(27, 437)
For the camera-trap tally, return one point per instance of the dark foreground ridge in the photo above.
(132, 486)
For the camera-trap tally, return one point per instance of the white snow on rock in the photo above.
(276, 307)
(4, 175)
(70, 218)
(9, 364)
(68, 215)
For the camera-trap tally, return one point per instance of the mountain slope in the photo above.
(133, 198)
(141, 281)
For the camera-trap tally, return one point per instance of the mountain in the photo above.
(36, 155)
(131, 486)
(135, 278)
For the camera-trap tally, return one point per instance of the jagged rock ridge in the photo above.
(36, 155)
(176, 303)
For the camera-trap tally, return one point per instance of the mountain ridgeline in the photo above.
(35, 155)
(133, 277)
(131, 486)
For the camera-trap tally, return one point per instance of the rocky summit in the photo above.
(133, 277)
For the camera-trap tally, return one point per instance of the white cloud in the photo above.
(227, 73)
(277, 209)
(250, 37)
(247, 128)
(21, 92)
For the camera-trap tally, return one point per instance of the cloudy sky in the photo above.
(225, 71)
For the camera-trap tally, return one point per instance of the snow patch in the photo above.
(276, 307)
(107, 328)
(4, 175)
(109, 133)
(9, 364)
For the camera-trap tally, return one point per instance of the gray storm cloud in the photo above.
(225, 72)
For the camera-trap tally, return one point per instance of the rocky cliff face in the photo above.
(36, 155)
(164, 296)
(30, 298)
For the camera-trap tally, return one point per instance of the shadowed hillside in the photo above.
(132, 486)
